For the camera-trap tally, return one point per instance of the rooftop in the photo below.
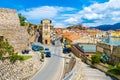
(90, 48)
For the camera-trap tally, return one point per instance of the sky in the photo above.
(64, 13)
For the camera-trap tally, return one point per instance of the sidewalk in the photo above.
(86, 72)
(74, 74)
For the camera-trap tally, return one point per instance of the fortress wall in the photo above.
(10, 28)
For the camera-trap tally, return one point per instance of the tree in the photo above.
(22, 20)
(6, 48)
(95, 58)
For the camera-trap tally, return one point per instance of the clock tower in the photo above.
(46, 31)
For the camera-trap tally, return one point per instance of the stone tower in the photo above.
(10, 29)
(46, 31)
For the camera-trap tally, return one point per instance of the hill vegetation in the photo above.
(79, 26)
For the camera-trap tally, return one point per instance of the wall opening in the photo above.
(46, 41)
(1, 38)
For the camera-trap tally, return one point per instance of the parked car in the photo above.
(48, 54)
(36, 47)
(46, 49)
(26, 51)
(66, 50)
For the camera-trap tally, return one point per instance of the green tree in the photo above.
(6, 48)
(95, 58)
(22, 20)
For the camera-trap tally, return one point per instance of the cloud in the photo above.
(71, 21)
(100, 13)
(44, 12)
(93, 15)
(40, 12)
(59, 25)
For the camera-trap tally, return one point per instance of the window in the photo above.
(46, 27)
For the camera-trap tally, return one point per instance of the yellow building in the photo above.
(116, 33)
(46, 31)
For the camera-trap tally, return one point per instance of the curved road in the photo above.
(54, 66)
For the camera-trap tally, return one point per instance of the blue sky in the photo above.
(64, 13)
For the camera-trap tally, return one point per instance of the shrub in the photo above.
(118, 66)
(114, 69)
(95, 58)
(42, 55)
(13, 58)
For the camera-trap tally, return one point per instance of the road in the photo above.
(54, 65)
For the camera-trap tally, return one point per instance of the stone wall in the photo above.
(19, 70)
(104, 48)
(112, 51)
(9, 17)
(116, 54)
(10, 28)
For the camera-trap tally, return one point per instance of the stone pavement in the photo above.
(89, 73)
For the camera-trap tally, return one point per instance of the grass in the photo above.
(114, 70)
(23, 58)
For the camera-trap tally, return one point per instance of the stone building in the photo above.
(46, 31)
(10, 29)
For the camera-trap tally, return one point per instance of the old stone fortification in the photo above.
(112, 51)
(10, 29)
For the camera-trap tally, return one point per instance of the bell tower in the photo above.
(46, 31)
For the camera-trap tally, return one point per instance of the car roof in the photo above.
(47, 51)
(46, 48)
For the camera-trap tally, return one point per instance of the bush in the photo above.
(13, 58)
(114, 69)
(95, 58)
(42, 55)
(118, 66)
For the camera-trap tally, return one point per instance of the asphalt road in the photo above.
(54, 65)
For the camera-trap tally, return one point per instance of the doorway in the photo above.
(46, 41)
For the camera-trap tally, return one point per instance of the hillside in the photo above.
(79, 26)
(108, 27)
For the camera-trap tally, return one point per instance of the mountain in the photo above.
(108, 27)
(79, 26)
